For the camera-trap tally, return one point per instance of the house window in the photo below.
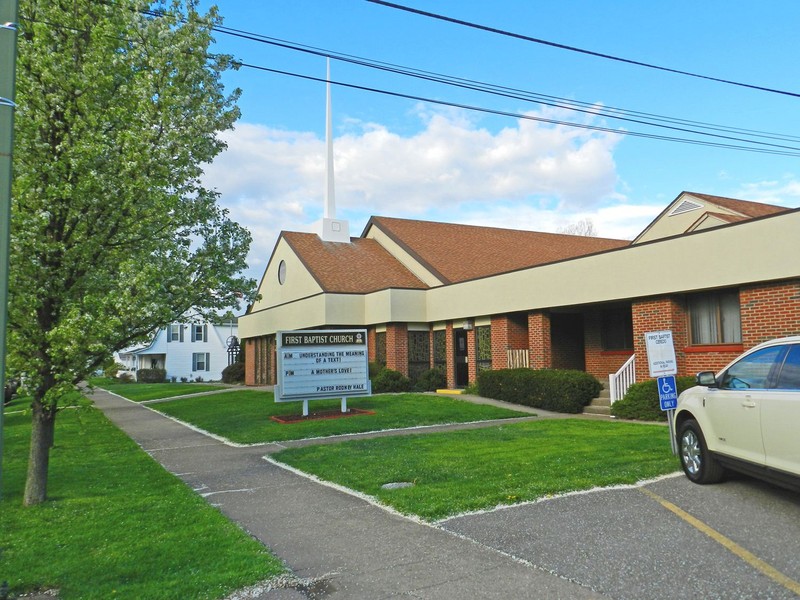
(419, 353)
(175, 333)
(199, 333)
(200, 361)
(483, 348)
(616, 329)
(440, 348)
(714, 318)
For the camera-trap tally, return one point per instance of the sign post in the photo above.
(317, 364)
(663, 366)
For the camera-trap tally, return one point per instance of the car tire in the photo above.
(698, 463)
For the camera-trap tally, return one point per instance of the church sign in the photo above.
(319, 364)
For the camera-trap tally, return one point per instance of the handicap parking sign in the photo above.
(667, 392)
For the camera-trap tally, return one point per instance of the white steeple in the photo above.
(333, 229)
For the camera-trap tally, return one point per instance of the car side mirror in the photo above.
(707, 378)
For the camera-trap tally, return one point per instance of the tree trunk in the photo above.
(42, 435)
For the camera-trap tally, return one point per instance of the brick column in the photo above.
(397, 347)
(472, 357)
(539, 343)
(450, 357)
(371, 344)
(249, 362)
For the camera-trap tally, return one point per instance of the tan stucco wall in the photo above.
(760, 250)
(299, 282)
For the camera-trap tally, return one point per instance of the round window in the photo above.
(282, 272)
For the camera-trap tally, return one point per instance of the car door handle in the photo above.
(748, 403)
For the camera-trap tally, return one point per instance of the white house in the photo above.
(187, 351)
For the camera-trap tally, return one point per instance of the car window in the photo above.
(752, 372)
(789, 378)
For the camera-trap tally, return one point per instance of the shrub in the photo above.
(233, 373)
(431, 380)
(388, 381)
(125, 377)
(375, 368)
(556, 390)
(151, 376)
(641, 400)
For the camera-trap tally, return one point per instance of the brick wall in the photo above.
(657, 314)
(769, 311)
(599, 362)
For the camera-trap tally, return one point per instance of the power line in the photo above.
(579, 50)
(680, 125)
(778, 150)
(762, 147)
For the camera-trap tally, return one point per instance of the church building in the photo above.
(722, 274)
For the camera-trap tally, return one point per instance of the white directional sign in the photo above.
(660, 353)
(322, 364)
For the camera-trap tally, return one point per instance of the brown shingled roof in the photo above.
(743, 207)
(360, 267)
(460, 252)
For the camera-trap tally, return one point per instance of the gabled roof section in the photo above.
(455, 253)
(745, 208)
(360, 267)
(690, 210)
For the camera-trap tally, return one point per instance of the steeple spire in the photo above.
(333, 229)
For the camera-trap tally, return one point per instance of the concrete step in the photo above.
(597, 410)
(602, 404)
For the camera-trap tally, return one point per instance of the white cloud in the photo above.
(530, 175)
(784, 192)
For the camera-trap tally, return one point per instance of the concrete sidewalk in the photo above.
(336, 544)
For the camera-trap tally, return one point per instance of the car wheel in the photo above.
(697, 462)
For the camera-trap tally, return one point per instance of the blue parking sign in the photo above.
(667, 392)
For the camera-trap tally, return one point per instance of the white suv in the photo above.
(746, 418)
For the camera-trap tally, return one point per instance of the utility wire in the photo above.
(575, 49)
(767, 148)
(518, 94)
(779, 150)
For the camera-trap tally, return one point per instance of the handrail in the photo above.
(619, 382)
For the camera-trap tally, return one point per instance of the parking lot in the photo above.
(738, 539)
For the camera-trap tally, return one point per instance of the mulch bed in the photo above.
(320, 414)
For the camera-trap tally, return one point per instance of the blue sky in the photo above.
(413, 159)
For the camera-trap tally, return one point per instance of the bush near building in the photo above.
(556, 390)
(233, 373)
(641, 401)
(431, 380)
(389, 381)
(151, 375)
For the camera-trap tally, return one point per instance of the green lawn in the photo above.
(116, 524)
(139, 392)
(470, 470)
(243, 416)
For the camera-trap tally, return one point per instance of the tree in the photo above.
(584, 227)
(113, 234)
